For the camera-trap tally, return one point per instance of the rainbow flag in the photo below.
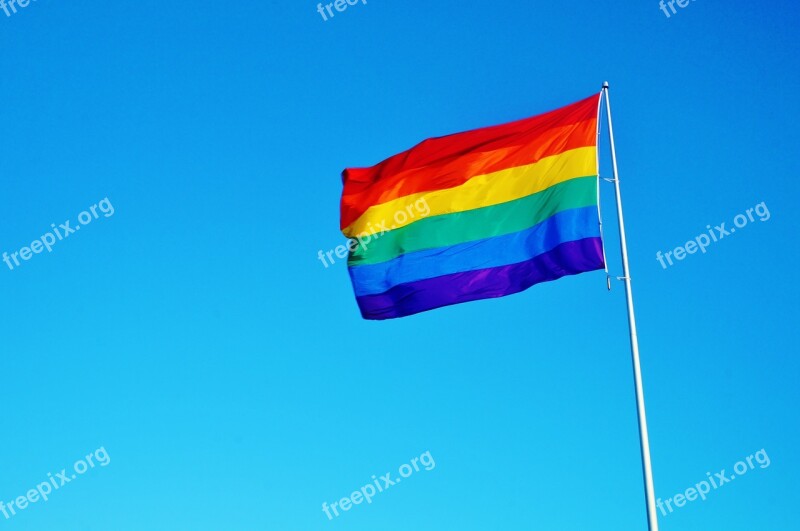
(474, 215)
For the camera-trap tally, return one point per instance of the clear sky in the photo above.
(195, 336)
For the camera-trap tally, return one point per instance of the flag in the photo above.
(475, 215)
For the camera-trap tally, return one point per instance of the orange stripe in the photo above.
(480, 191)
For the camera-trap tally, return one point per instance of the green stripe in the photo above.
(477, 224)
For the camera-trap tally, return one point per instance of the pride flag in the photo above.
(505, 207)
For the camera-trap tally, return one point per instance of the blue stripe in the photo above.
(566, 226)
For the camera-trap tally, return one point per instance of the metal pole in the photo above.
(644, 442)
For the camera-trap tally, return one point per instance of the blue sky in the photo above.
(195, 336)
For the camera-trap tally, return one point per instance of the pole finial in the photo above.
(605, 84)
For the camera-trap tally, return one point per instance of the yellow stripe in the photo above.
(480, 191)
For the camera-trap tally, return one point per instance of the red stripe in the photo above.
(448, 161)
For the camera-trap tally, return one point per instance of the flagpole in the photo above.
(644, 442)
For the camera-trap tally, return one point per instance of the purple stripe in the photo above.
(569, 258)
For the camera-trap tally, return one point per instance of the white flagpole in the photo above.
(644, 442)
